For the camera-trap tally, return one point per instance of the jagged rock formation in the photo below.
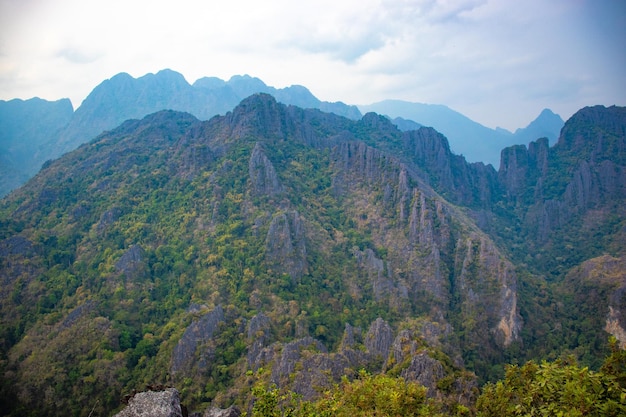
(164, 403)
(602, 283)
(306, 366)
(131, 263)
(36, 130)
(285, 247)
(193, 349)
(263, 178)
(468, 138)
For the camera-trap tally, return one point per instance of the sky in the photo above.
(499, 62)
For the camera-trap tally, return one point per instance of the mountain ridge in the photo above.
(477, 143)
(123, 97)
(293, 228)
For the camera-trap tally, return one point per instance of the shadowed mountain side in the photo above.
(26, 126)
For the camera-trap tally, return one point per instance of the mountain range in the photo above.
(296, 246)
(474, 141)
(37, 130)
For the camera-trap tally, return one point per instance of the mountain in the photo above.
(474, 141)
(26, 126)
(546, 125)
(294, 246)
(123, 97)
(44, 133)
(47, 132)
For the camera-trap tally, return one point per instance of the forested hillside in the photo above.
(293, 247)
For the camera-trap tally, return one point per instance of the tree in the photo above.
(368, 395)
(559, 388)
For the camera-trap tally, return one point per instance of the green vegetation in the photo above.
(368, 395)
(115, 250)
(559, 388)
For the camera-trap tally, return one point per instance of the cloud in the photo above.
(487, 58)
(77, 55)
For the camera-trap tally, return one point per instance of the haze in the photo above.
(498, 62)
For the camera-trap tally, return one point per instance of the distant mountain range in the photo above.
(25, 127)
(477, 143)
(37, 130)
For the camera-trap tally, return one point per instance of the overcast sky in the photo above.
(500, 62)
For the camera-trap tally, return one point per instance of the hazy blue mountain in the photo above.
(477, 143)
(546, 125)
(34, 132)
(124, 97)
(25, 126)
(405, 125)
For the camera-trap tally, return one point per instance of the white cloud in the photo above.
(498, 61)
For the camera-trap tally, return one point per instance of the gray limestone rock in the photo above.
(285, 245)
(153, 404)
(379, 338)
(131, 262)
(263, 178)
(222, 412)
(195, 338)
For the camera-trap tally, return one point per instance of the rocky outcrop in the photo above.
(305, 366)
(131, 263)
(263, 178)
(487, 286)
(601, 282)
(164, 403)
(285, 245)
(259, 335)
(426, 268)
(76, 314)
(379, 338)
(595, 133)
(474, 185)
(193, 350)
(614, 327)
(222, 412)
(583, 172)
(378, 277)
(434, 254)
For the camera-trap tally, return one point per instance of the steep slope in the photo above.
(190, 252)
(26, 126)
(555, 211)
(572, 192)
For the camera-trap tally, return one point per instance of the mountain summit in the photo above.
(546, 125)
